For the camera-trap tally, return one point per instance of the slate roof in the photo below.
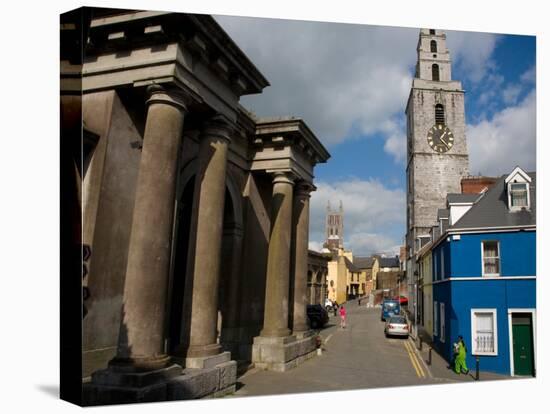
(351, 267)
(442, 213)
(492, 209)
(363, 262)
(462, 198)
(389, 261)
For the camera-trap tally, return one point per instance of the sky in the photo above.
(350, 84)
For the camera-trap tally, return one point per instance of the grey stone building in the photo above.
(195, 210)
(437, 155)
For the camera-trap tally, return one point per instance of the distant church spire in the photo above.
(334, 227)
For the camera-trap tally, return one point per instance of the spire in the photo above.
(341, 207)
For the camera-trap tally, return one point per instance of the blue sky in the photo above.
(350, 84)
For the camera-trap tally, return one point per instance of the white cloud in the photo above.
(471, 53)
(508, 139)
(373, 243)
(344, 80)
(511, 93)
(374, 215)
(315, 245)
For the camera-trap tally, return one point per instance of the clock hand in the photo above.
(444, 142)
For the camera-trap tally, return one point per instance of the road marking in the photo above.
(414, 361)
(417, 359)
(328, 338)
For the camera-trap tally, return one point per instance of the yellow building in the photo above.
(345, 280)
(425, 289)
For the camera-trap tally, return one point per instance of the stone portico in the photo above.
(195, 210)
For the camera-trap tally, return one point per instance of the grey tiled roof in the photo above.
(462, 198)
(442, 213)
(363, 262)
(492, 209)
(351, 267)
(389, 261)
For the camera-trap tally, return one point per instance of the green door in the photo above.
(522, 331)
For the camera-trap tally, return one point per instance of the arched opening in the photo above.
(439, 114)
(181, 247)
(310, 286)
(319, 288)
(228, 285)
(433, 46)
(435, 72)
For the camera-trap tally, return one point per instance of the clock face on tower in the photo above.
(440, 138)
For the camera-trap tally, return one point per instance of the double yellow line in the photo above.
(414, 360)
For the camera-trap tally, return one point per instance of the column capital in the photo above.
(218, 126)
(286, 177)
(303, 189)
(177, 97)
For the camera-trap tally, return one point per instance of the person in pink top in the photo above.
(342, 317)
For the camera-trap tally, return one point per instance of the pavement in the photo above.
(357, 357)
(440, 369)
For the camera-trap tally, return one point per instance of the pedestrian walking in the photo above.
(342, 317)
(359, 301)
(335, 308)
(460, 359)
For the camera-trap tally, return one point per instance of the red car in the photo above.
(402, 300)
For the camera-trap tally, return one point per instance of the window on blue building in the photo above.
(491, 258)
(442, 264)
(442, 322)
(484, 332)
(518, 195)
(436, 319)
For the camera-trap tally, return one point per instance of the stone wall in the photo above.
(112, 178)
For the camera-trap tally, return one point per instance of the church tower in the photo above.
(437, 156)
(334, 228)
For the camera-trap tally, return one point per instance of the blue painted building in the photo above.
(484, 276)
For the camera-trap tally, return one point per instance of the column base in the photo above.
(304, 334)
(276, 333)
(168, 384)
(282, 353)
(133, 364)
(198, 351)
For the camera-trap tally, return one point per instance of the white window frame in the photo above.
(442, 264)
(517, 208)
(495, 331)
(483, 260)
(436, 319)
(442, 321)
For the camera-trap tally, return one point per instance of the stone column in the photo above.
(141, 338)
(214, 142)
(300, 254)
(278, 261)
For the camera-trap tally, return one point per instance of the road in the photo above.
(357, 357)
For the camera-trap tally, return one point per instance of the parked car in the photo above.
(329, 305)
(317, 316)
(403, 300)
(396, 326)
(390, 308)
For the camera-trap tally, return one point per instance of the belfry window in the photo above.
(439, 114)
(435, 72)
(432, 31)
(433, 46)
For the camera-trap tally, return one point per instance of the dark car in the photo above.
(317, 316)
